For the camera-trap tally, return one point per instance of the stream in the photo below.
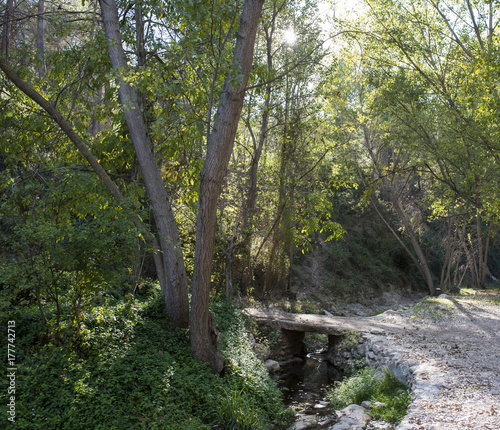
(304, 382)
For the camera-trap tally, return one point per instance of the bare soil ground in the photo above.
(458, 338)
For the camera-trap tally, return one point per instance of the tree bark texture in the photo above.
(175, 292)
(219, 147)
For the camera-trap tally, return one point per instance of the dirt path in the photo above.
(458, 340)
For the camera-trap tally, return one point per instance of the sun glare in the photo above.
(290, 36)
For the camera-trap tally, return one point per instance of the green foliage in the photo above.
(434, 308)
(237, 410)
(366, 384)
(126, 368)
(65, 241)
(252, 391)
(354, 390)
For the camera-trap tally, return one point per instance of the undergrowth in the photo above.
(434, 308)
(367, 384)
(127, 369)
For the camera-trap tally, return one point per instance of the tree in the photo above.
(219, 147)
(171, 271)
(175, 285)
(416, 100)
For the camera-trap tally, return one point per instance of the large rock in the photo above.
(351, 418)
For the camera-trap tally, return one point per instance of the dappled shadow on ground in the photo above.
(484, 323)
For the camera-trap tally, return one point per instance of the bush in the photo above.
(367, 385)
(360, 387)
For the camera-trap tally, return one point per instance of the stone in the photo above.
(366, 404)
(263, 352)
(304, 422)
(351, 418)
(271, 365)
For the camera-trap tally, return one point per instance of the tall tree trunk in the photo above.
(6, 27)
(40, 39)
(251, 199)
(219, 147)
(175, 292)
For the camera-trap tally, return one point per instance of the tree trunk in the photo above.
(219, 147)
(40, 39)
(175, 288)
(423, 267)
(251, 198)
(6, 26)
(229, 272)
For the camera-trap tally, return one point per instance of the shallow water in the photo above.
(304, 383)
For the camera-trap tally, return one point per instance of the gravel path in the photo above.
(456, 340)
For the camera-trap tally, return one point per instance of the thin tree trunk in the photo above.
(469, 254)
(422, 266)
(175, 294)
(229, 272)
(450, 257)
(219, 147)
(251, 199)
(6, 27)
(483, 256)
(40, 39)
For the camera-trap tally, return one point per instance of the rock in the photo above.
(380, 425)
(262, 352)
(351, 418)
(366, 404)
(271, 365)
(304, 422)
(379, 405)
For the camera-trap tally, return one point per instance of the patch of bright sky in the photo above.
(332, 10)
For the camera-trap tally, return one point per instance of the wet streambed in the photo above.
(304, 382)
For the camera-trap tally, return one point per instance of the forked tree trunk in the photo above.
(175, 288)
(219, 147)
